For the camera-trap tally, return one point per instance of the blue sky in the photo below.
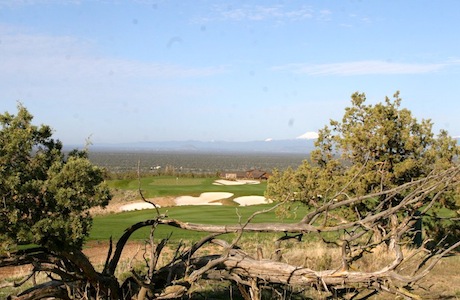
(129, 71)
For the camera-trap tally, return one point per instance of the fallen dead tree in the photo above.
(71, 275)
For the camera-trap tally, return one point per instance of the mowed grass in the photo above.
(160, 186)
(113, 225)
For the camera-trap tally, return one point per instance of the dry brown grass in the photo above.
(442, 283)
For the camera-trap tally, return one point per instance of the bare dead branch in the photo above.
(122, 241)
(17, 283)
(140, 190)
(54, 289)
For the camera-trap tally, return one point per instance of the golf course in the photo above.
(171, 187)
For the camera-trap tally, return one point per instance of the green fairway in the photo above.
(157, 186)
(114, 224)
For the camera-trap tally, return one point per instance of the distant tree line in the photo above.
(168, 171)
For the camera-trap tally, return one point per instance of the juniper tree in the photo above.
(45, 195)
(373, 148)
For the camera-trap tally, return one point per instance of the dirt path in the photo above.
(94, 250)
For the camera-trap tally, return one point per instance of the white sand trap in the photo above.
(251, 200)
(204, 199)
(137, 206)
(234, 182)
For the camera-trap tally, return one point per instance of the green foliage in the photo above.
(373, 148)
(45, 195)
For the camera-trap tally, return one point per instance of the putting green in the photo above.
(161, 181)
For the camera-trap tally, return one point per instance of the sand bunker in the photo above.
(137, 206)
(251, 200)
(235, 182)
(208, 198)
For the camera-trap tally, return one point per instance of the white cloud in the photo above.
(258, 13)
(309, 135)
(66, 74)
(44, 57)
(367, 67)
(268, 140)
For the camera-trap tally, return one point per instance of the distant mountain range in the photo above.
(302, 146)
(271, 146)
